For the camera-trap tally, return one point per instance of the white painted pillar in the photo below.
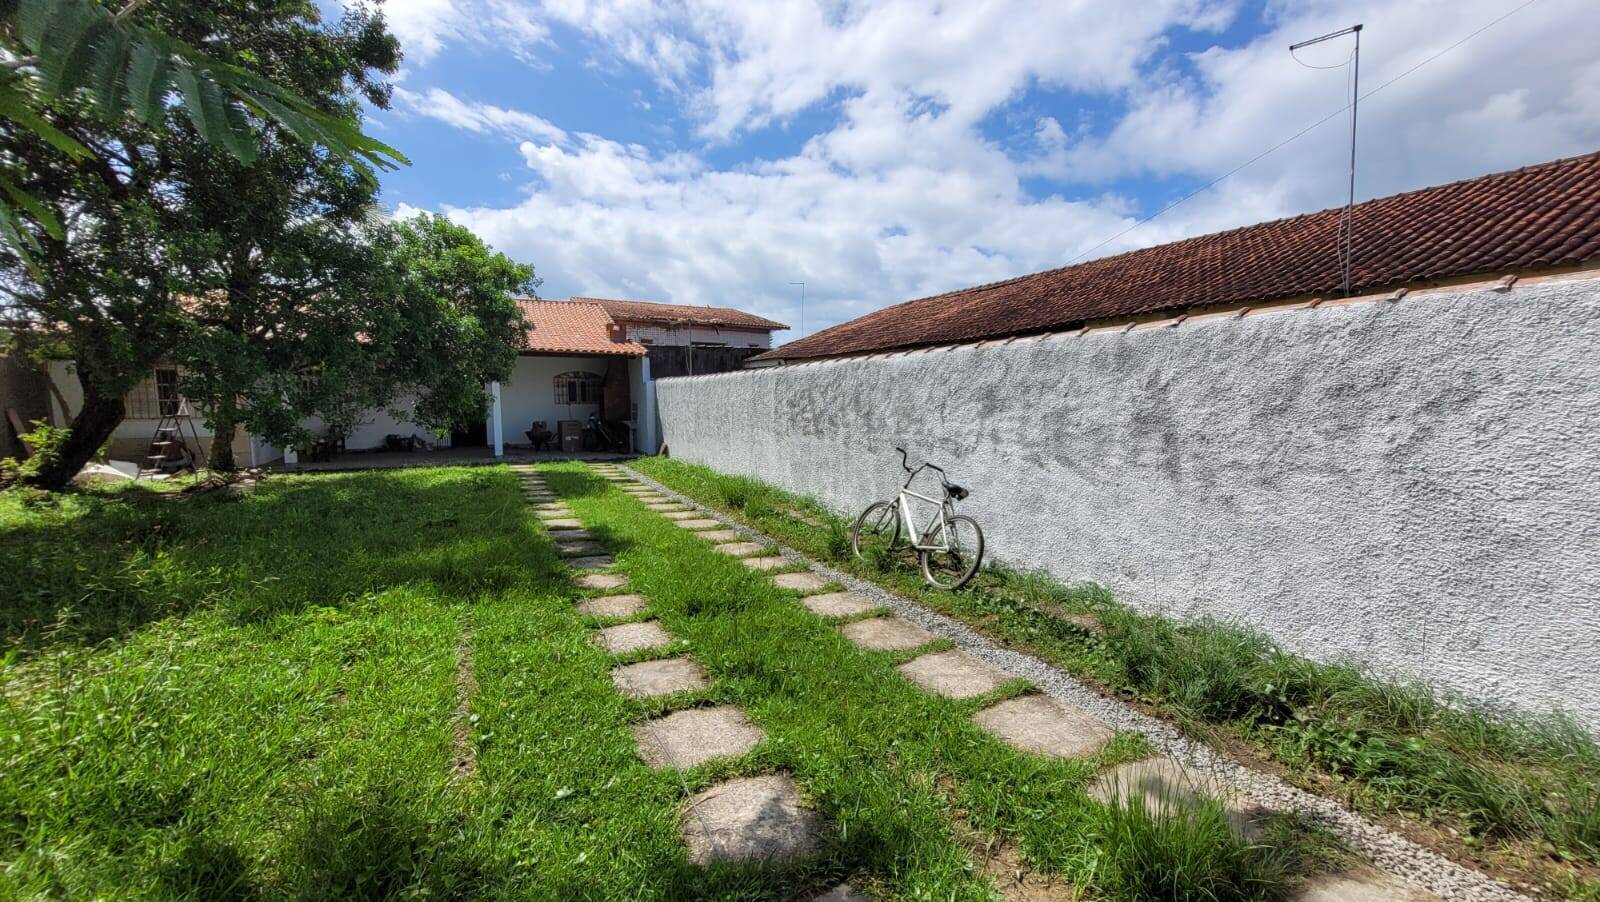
(497, 435)
(648, 433)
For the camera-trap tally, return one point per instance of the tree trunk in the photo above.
(222, 449)
(91, 428)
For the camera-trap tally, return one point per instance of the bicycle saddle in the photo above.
(956, 491)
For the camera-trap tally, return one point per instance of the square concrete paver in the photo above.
(593, 562)
(1044, 726)
(682, 515)
(695, 736)
(800, 582)
(612, 606)
(572, 535)
(649, 679)
(886, 634)
(1166, 785)
(739, 549)
(563, 523)
(664, 508)
(580, 548)
(628, 637)
(952, 674)
(719, 535)
(754, 819)
(839, 604)
(1359, 884)
(766, 563)
(603, 580)
(701, 523)
(841, 893)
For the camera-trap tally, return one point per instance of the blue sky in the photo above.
(714, 152)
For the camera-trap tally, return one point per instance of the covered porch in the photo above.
(439, 457)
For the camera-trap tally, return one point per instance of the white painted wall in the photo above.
(530, 394)
(1412, 485)
(733, 338)
(132, 436)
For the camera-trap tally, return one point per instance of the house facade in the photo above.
(578, 358)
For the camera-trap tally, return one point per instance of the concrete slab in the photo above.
(562, 523)
(682, 515)
(886, 634)
(754, 819)
(839, 604)
(593, 562)
(701, 523)
(767, 563)
(572, 535)
(803, 581)
(665, 506)
(626, 637)
(1359, 884)
(580, 548)
(739, 549)
(952, 674)
(612, 606)
(1044, 726)
(603, 580)
(841, 893)
(687, 738)
(719, 535)
(649, 679)
(1167, 785)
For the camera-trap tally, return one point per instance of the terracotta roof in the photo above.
(1541, 216)
(563, 327)
(683, 314)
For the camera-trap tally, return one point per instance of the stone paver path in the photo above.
(1360, 884)
(628, 637)
(595, 562)
(563, 523)
(683, 515)
(750, 819)
(839, 604)
(700, 523)
(1165, 785)
(580, 548)
(952, 674)
(686, 738)
(665, 676)
(612, 606)
(886, 634)
(800, 582)
(720, 535)
(841, 893)
(772, 562)
(1044, 726)
(602, 580)
(739, 549)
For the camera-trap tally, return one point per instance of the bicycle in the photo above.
(949, 547)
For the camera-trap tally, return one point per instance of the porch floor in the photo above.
(441, 457)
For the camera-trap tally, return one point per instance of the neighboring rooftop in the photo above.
(1538, 217)
(682, 315)
(564, 327)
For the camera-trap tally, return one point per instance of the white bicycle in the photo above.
(949, 546)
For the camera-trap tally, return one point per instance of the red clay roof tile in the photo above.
(564, 327)
(683, 314)
(1540, 216)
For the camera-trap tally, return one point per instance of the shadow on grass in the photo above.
(103, 565)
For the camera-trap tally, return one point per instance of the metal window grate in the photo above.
(577, 388)
(155, 397)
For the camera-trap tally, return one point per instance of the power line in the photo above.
(1302, 132)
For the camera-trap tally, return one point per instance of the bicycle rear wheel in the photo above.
(876, 530)
(953, 568)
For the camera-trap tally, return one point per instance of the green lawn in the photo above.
(258, 696)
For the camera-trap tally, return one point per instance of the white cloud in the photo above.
(426, 27)
(905, 195)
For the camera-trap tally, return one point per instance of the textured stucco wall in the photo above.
(1415, 485)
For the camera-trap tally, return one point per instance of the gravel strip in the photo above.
(1384, 848)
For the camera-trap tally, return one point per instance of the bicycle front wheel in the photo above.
(952, 568)
(877, 530)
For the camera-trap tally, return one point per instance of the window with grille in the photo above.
(578, 388)
(155, 397)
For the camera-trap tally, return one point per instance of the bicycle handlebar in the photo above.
(905, 464)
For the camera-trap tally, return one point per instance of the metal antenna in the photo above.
(802, 309)
(1347, 221)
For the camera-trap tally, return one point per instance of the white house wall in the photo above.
(1412, 485)
(733, 338)
(530, 394)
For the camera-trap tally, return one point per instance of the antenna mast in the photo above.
(1347, 222)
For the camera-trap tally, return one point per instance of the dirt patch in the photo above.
(464, 765)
